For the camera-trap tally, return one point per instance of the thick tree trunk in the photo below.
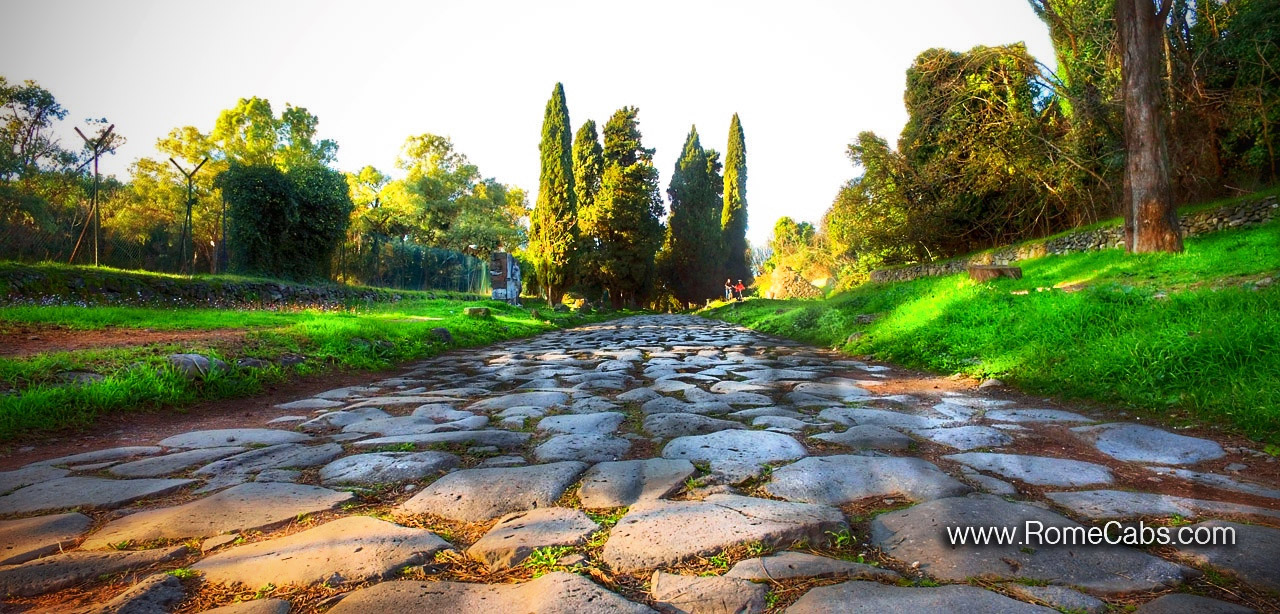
(1150, 220)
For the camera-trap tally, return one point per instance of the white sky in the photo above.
(805, 76)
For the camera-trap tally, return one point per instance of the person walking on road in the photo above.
(728, 289)
(737, 290)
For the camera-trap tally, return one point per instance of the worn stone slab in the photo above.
(844, 390)
(966, 437)
(1038, 470)
(99, 456)
(517, 535)
(554, 593)
(858, 597)
(735, 448)
(489, 437)
(442, 412)
(350, 549)
(841, 479)
(272, 457)
(27, 538)
(305, 404)
(233, 437)
(867, 437)
(706, 595)
(31, 474)
(756, 412)
(670, 425)
(1059, 597)
(155, 594)
(855, 416)
(386, 467)
(251, 506)
(1184, 603)
(172, 463)
(1115, 504)
(664, 405)
(69, 492)
(571, 424)
(917, 534)
(342, 418)
(1252, 557)
(801, 565)
(474, 495)
(537, 399)
(1147, 444)
(54, 573)
(623, 483)
(257, 606)
(638, 395)
(1034, 415)
(657, 533)
(413, 425)
(348, 392)
(582, 447)
(1221, 481)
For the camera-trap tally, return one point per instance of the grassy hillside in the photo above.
(1191, 336)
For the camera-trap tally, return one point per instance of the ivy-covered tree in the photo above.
(733, 217)
(553, 227)
(627, 227)
(695, 251)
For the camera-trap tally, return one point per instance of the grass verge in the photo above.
(1191, 336)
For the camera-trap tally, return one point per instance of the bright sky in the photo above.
(805, 76)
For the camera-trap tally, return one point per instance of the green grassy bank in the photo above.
(1192, 336)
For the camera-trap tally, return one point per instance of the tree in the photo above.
(733, 218)
(553, 227)
(261, 213)
(36, 172)
(694, 240)
(626, 227)
(588, 170)
(249, 133)
(1150, 220)
(324, 206)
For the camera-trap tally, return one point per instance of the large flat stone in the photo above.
(157, 466)
(487, 437)
(517, 535)
(252, 506)
(1038, 470)
(554, 593)
(27, 538)
(54, 573)
(537, 399)
(966, 437)
(855, 416)
(74, 491)
(601, 423)
(858, 597)
(623, 483)
(867, 437)
(1114, 504)
(155, 594)
(801, 565)
(220, 438)
(1251, 557)
(272, 457)
(31, 474)
(474, 495)
(735, 448)
(919, 534)
(1034, 415)
(836, 480)
(351, 549)
(386, 467)
(658, 533)
(1222, 481)
(257, 606)
(1183, 603)
(1060, 597)
(582, 447)
(680, 425)
(706, 595)
(1147, 444)
(100, 456)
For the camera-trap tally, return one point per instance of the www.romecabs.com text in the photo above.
(1036, 533)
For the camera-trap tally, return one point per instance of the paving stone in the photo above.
(233, 437)
(1252, 557)
(857, 597)
(1038, 470)
(706, 595)
(1183, 603)
(1034, 415)
(474, 495)
(69, 492)
(343, 418)
(867, 437)
(591, 405)
(272, 457)
(155, 594)
(27, 538)
(251, 506)
(502, 461)
(916, 534)
(536, 399)
(670, 425)
(853, 416)
(553, 593)
(638, 395)
(989, 484)
(309, 404)
(414, 425)
(31, 474)
(582, 447)
(350, 549)
(598, 424)
(257, 606)
(732, 449)
(284, 419)
(97, 456)
(843, 390)
(442, 412)
(1147, 444)
(966, 437)
(517, 535)
(488, 437)
(278, 475)
(386, 467)
(172, 463)
(348, 392)
(1059, 597)
(624, 483)
(1113, 504)
(801, 565)
(54, 573)
(1220, 481)
(755, 412)
(663, 405)
(656, 533)
(841, 479)
(781, 422)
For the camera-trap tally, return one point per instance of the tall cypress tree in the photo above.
(733, 218)
(628, 221)
(553, 227)
(694, 243)
(588, 166)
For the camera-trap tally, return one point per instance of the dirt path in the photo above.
(20, 340)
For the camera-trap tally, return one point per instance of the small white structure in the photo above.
(504, 275)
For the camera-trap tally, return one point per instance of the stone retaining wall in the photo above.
(1246, 213)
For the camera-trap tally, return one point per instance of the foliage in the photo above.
(626, 227)
(261, 211)
(733, 218)
(588, 169)
(553, 225)
(694, 248)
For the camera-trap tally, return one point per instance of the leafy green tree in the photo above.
(553, 227)
(325, 207)
(626, 224)
(694, 241)
(261, 215)
(733, 217)
(37, 183)
(588, 169)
